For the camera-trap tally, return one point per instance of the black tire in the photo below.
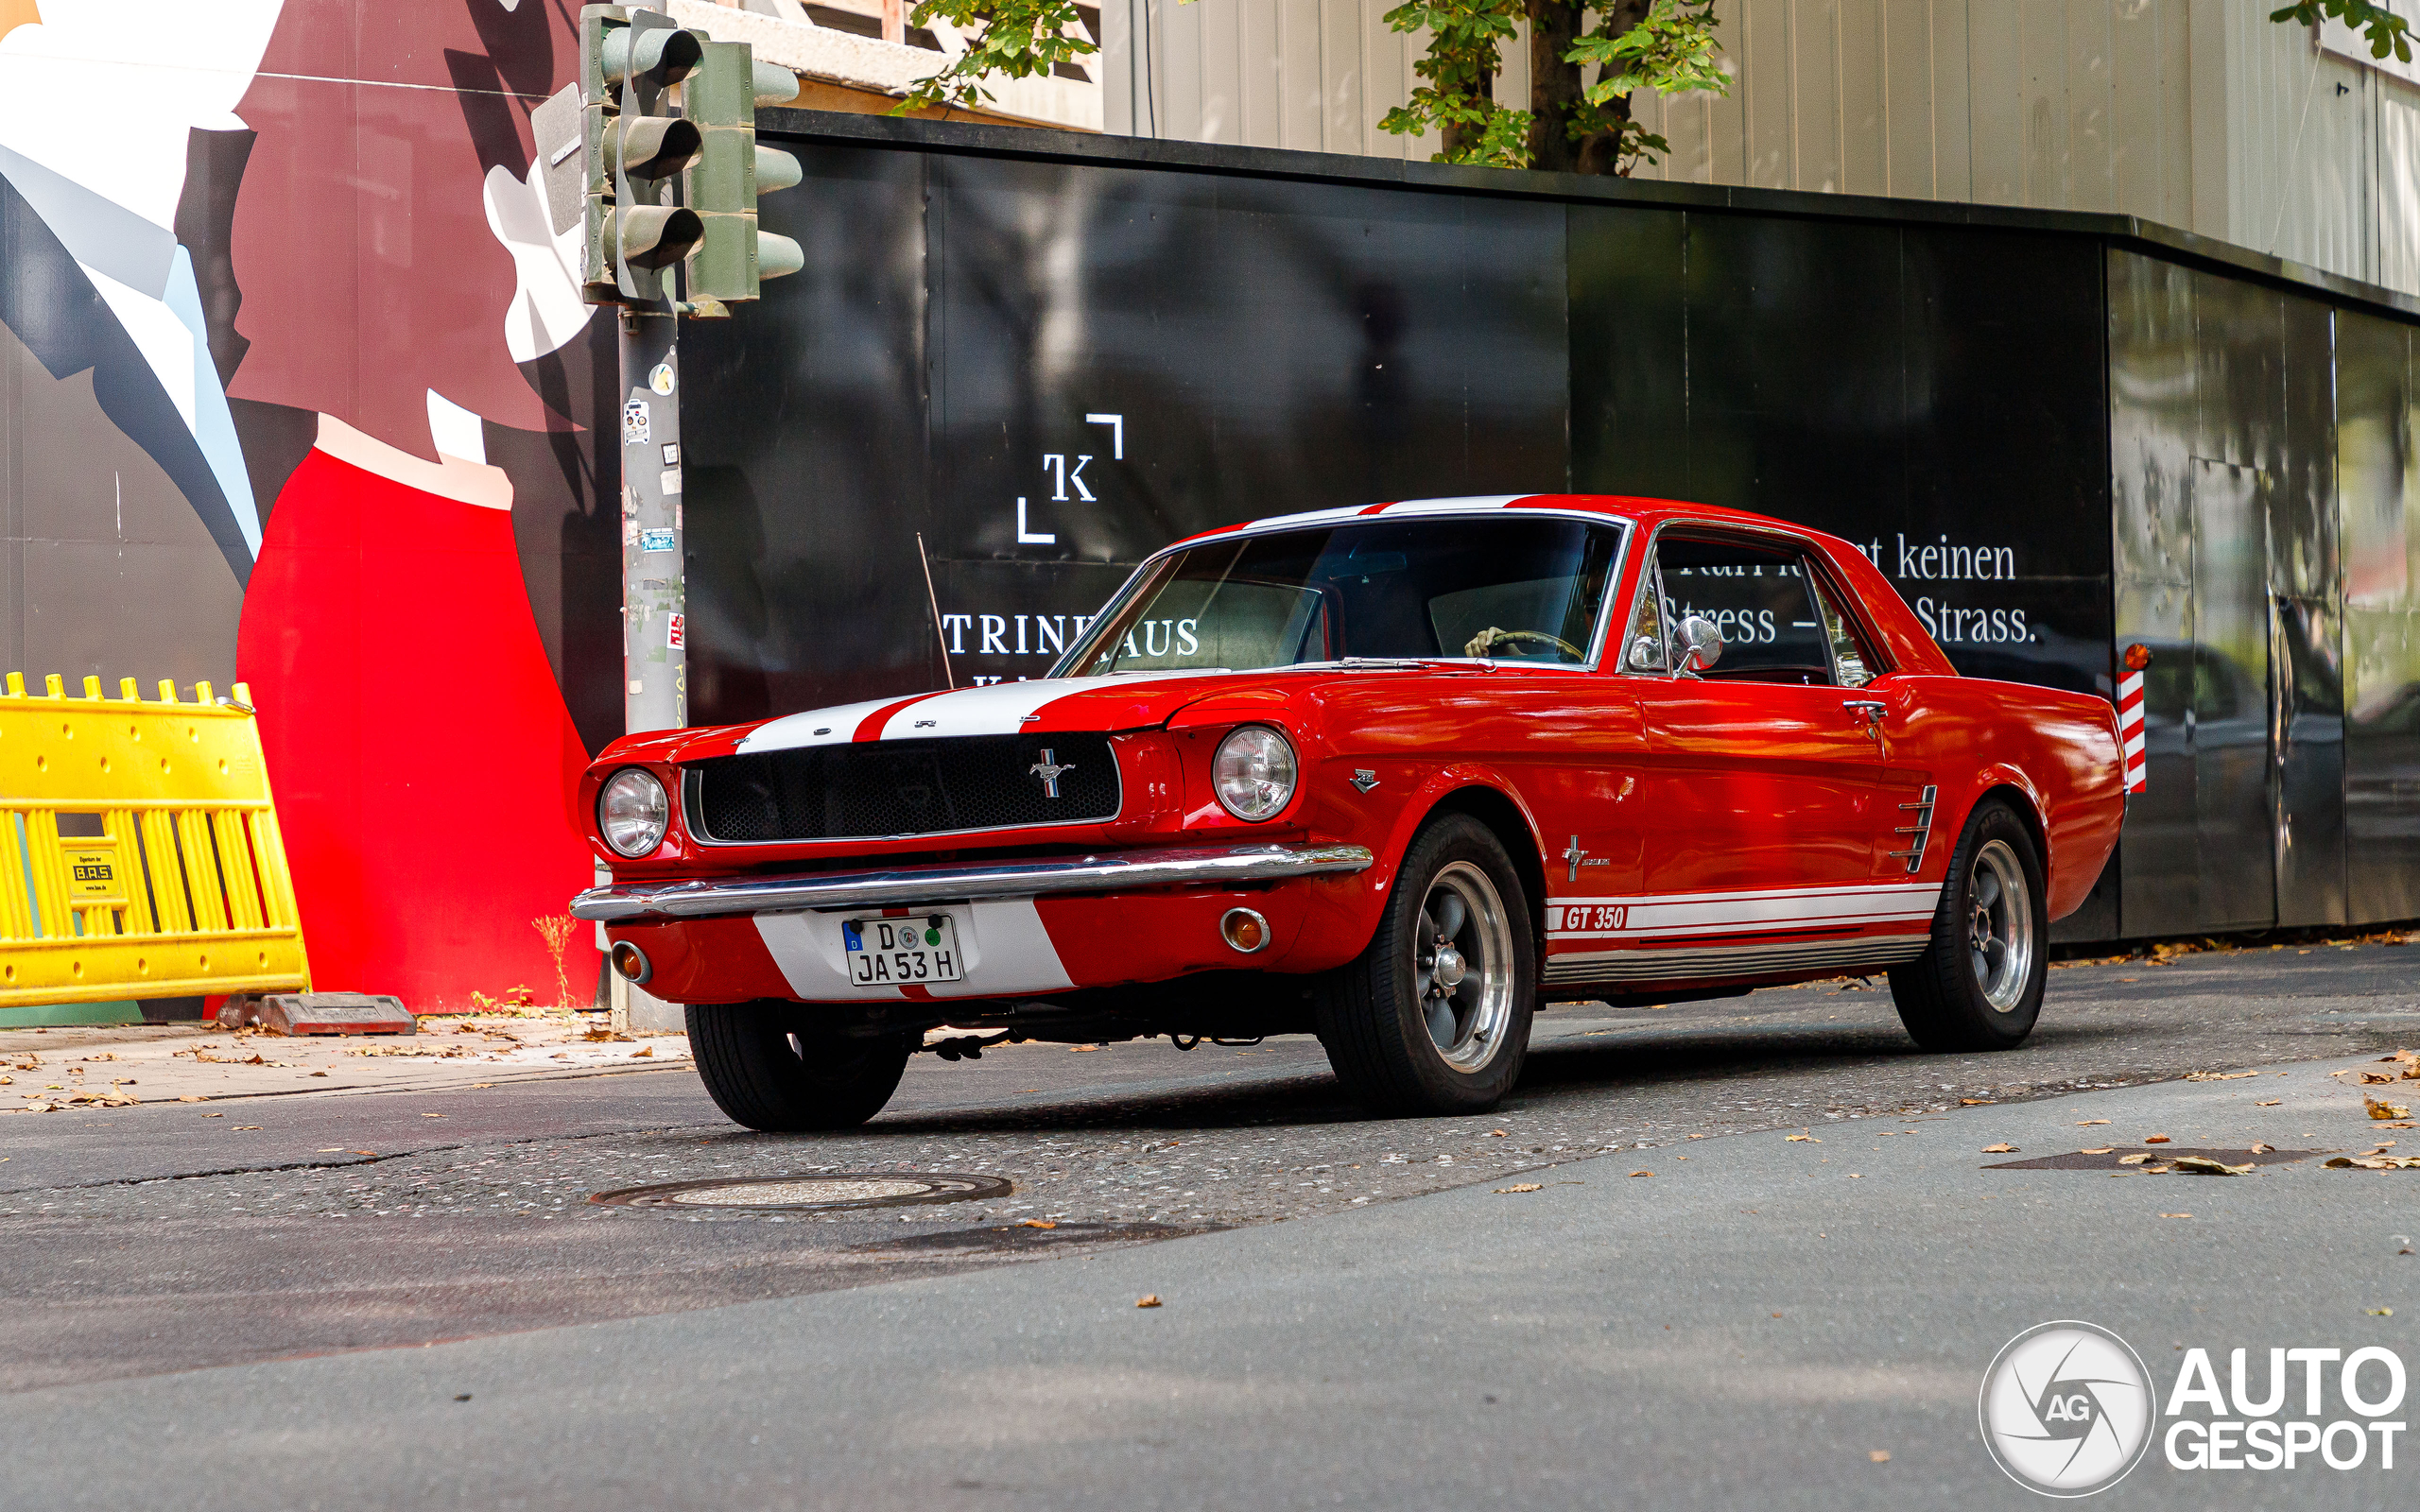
(768, 1069)
(1961, 995)
(1374, 1017)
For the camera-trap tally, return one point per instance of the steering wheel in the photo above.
(1487, 640)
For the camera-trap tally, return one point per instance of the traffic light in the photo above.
(731, 170)
(635, 147)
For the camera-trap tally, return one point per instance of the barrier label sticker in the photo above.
(655, 540)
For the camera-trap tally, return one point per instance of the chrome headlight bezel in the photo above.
(626, 812)
(1258, 763)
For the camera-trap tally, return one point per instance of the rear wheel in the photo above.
(1434, 1018)
(768, 1070)
(1979, 985)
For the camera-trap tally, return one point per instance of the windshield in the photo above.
(1507, 589)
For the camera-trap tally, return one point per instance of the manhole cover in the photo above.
(821, 1191)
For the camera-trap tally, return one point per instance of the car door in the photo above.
(1768, 827)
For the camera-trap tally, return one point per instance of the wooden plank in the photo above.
(1347, 121)
(1765, 71)
(2042, 114)
(1908, 97)
(1815, 96)
(1259, 73)
(2092, 181)
(1864, 110)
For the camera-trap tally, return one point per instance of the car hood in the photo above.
(1126, 700)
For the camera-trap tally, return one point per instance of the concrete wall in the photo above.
(2198, 113)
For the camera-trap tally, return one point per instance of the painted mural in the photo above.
(299, 393)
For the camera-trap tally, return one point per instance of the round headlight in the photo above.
(632, 810)
(1253, 773)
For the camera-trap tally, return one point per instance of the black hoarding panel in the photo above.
(2378, 472)
(2306, 622)
(1124, 356)
(807, 478)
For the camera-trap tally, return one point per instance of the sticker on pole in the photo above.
(655, 540)
(673, 629)
(670, 484)
(636, 427)
(661, 379)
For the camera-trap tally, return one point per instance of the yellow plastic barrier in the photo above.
(139, 851)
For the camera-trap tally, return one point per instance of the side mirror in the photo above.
(1701, 643)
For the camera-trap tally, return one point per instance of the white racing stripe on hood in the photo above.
(1000, 709)
(836, 726)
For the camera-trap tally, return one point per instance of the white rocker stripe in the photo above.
(1665, 915)
(1689, 963)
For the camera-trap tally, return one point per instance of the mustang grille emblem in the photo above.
(1048, 769)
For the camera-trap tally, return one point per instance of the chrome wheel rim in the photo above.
(1999, 927)
(1462, 967)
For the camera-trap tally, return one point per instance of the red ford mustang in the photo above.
(1394, 775)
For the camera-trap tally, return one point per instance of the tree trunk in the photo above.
(1554, 85)
(1460, 139)
(1555, 90)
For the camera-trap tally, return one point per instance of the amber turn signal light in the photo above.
(1244, 930)
(2138, 656)
(631, 961)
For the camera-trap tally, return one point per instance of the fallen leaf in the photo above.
(1521, 1186)
(2133, 1159)
(1077, 1050)
(193, 1097)
(1855, 1176)
(2203, 1165)
(318, 1074)
(251, 1128)
(432, 1115)
(1037, 1223)
(1880, 1456)
(2383, 1110)
(2089, 1123)
(2176, 1216)
(1498, 1134)
(2263, 1149)
(2271, 1103)
(2106, 1149)
(481, 1086)
(333, 1149)
(2375, 1077)
(361, 1152)
(214, 1115)
(1154, 1298)
(2405, 1125)
(2382, 1312)
(1642, 1173)
(2229, 1076)
(1974, 1102)
(2155, 1138)
(1804, 1139)
(1999, 1149)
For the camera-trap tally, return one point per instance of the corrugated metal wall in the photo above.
(2198, 113)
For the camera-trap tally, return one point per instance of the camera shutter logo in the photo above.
(2066, 1409)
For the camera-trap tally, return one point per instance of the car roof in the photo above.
(1642, 510)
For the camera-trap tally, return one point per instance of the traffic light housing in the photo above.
(731, 170)
(634, 145)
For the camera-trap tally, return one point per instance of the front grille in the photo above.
(903, 787)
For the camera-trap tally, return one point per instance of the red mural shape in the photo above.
(422, 759)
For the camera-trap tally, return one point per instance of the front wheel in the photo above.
(768, 1069)
(1979, 984)
(1434, 1018)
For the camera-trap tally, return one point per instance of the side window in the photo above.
(1648, 643)
(1761, 597)
(1853, 665)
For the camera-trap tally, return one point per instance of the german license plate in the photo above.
(889, 952)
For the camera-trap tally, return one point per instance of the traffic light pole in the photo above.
(655, 661)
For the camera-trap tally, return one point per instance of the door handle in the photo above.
(1871, 710)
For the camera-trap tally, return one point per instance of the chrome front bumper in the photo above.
(1115, 871)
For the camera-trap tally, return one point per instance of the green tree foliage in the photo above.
(2385, 31)
(1019, 38)
(1571, 124)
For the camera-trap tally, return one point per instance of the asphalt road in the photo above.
(618, 1356)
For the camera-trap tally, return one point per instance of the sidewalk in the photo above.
(73, 1070)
